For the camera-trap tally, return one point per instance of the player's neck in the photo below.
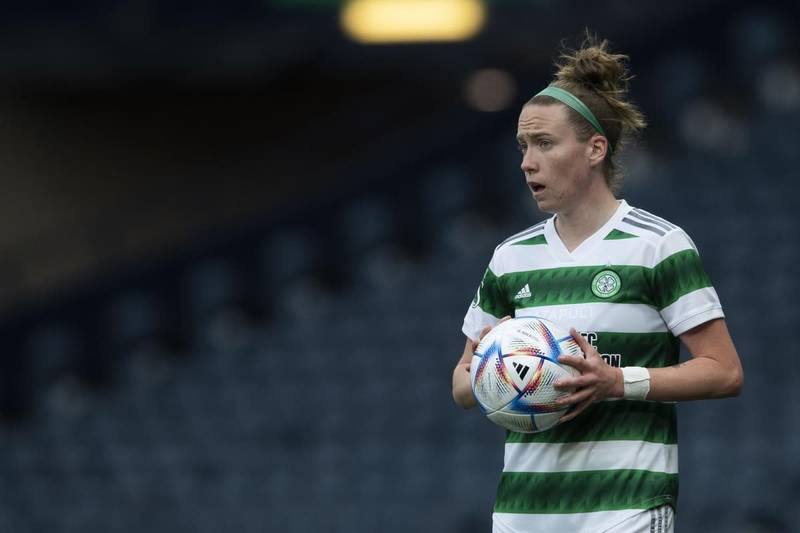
(579, 223)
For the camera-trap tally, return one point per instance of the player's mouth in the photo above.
(535, 187)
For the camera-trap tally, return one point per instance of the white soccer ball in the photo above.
(513, 370)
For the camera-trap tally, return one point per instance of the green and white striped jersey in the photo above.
(631, 288)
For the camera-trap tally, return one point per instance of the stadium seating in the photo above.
(333, 413)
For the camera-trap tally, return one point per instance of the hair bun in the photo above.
(594, 67)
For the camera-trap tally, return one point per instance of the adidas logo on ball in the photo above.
(521, 369)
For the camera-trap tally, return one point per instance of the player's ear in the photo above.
(597, 149)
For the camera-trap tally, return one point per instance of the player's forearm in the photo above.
(696, 379)
(462, 388)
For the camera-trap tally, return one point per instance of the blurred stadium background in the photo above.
(237, 246)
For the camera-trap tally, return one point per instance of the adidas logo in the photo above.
(524, 292)
(521, 369)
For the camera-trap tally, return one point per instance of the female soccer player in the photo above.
(634, 287)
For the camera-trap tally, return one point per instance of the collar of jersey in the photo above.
(585, 248)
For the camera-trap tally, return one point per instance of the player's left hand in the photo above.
(597, 381)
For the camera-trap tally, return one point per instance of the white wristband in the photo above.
(635, 382)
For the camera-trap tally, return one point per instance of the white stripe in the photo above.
(692, 309)
(583, 456)
(633, 252)
(572, 522)
(601, 316)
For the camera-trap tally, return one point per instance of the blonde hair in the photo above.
(600, 79)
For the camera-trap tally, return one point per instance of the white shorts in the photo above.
(656, 520)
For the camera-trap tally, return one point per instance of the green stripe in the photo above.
(616, 234)
(641, 349)
(573, 285)
(490, 297)
(614, 420)
(538, 239)
(584, 492)
(677, 275)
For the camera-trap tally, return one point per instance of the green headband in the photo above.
(566, 97)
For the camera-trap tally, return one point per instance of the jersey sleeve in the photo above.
(489, 305)
(682, 289)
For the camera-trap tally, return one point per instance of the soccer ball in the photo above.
(513, 370)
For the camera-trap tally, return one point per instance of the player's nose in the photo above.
(529, 162)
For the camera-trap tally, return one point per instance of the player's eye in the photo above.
(522, 147)
(545, 143)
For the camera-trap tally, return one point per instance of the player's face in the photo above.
(556, 164)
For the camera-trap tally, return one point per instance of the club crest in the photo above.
(606, 284)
